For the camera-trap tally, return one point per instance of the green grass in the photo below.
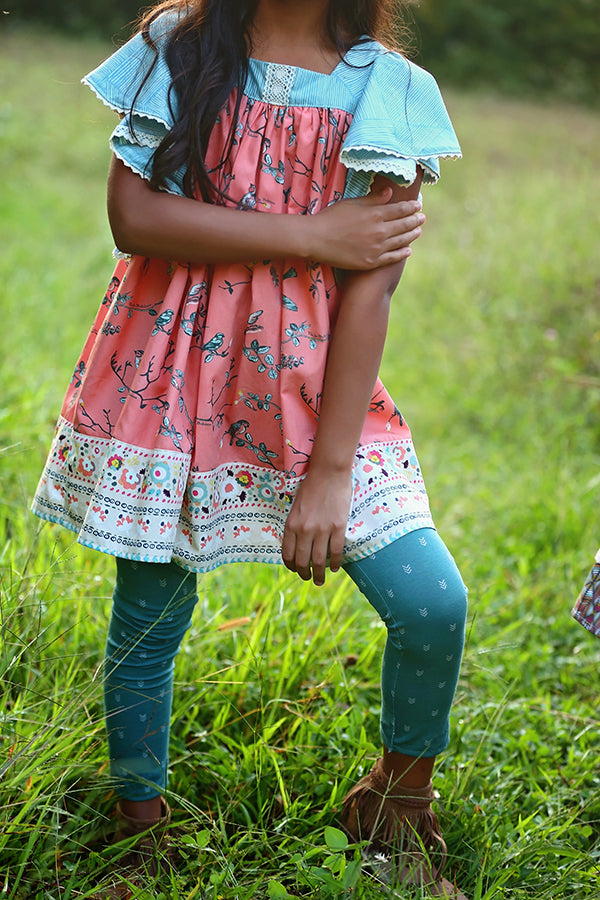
(493, 357)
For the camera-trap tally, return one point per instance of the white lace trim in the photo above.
(393, 159)
(369, 148)
(391, 163)
(279, 80)
(139, 136)
(121, 109)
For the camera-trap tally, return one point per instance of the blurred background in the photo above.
(542, 47)
(492, 355)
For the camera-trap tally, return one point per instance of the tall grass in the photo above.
(493, 357)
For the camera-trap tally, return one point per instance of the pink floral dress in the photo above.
(189, 421)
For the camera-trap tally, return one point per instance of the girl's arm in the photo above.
(316, 524)
(361, 234)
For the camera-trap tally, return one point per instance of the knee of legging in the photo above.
(149, 618)
(141, 684)
(144, 646)
(438, 622)
(137, 615)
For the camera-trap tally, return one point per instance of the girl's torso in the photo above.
(190, 417)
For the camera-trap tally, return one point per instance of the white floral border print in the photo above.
(148, 505)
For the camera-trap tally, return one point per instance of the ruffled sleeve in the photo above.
(147, 116)
(400, 122)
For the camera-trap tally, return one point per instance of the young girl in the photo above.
(263, 194)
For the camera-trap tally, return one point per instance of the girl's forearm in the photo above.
(355, 356)
(352, 367)
(364, 233)
(166, 226)
(316, 525)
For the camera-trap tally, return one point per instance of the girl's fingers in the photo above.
(302, 558)
(309, 559)
(397, 241)
(406, 223)
(336, 550)
(402, 209)
(319, 560)
(288, 549)
(380, 197)
(393, 257)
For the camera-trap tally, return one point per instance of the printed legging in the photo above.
(413, 584)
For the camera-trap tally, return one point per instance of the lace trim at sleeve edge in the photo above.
(121, 109)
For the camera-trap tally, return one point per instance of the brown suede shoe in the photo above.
(145, 854)
(402, 831)
(146, 837)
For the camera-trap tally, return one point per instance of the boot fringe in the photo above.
(392, 818)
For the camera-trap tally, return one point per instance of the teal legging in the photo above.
(413, 584)
(417, 590)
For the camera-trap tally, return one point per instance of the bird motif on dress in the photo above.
(162, 321)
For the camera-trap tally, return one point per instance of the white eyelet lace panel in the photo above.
(279, 80)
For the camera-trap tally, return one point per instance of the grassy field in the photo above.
(493, 356)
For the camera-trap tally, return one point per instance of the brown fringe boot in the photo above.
(150, 835)
(398, 823)
(137, 854)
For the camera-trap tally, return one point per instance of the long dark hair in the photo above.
(207, 54)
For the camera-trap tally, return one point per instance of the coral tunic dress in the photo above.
(189, 421)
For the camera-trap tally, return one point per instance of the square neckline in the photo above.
(282, 85)
(263, 63)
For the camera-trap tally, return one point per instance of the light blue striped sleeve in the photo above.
(400, 122)
(147, 108)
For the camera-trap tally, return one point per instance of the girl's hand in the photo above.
(316, 524)
(365, 233)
